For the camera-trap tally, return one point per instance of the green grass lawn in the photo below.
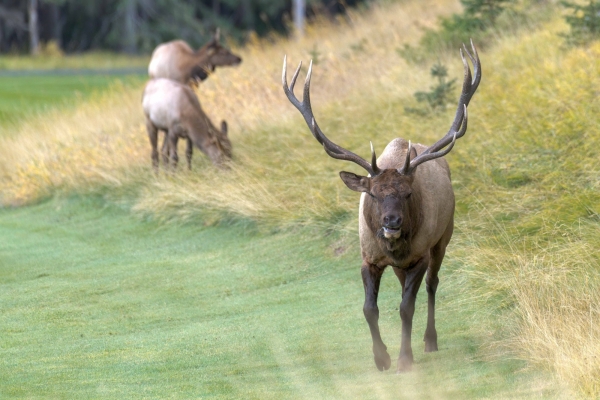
(96, 303)
(24, 95)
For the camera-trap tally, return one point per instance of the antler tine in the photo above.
(476, 65)
(459, 125)
(470, 84)
(426, 156)
(437, 154)
(305, 109)
(374, 160)
(406, 165)
(430, 156)
(289, 90)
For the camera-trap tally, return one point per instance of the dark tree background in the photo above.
(137, 26)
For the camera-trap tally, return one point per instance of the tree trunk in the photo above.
(34, 34)
(299, 12)
(216, 6)
(130, 39)
(247, 15)
(54, 19)
(2, 44)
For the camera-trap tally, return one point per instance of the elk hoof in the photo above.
(382, 360)
(430, 346)
(430, 340)
(405, 363)
(404, 366)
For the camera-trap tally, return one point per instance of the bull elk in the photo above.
(176, 60)
(174, 108)
(406, 213)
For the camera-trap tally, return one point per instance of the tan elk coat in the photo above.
(174, 108)
(176, 60)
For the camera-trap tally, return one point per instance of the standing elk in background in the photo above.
(174, 108)
(406, 213)
(176, 60)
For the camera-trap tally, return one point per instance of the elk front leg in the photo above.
(153, 136)
(188, 153)
(371, 275)
(401, 274)
(414, 277)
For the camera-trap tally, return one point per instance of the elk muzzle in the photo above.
(391, 218)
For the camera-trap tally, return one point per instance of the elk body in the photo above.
(174, 108)
(405, 216)
(176, 60)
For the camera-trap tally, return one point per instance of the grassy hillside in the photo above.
(523, 259)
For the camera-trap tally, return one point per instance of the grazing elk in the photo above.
(176, 60)
(406, 213)
(174, 108)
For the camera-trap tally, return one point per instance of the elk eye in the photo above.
(408, 195)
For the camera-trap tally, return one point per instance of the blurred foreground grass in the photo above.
(526, 174)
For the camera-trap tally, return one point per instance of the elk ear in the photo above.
(224, 128)
(356, 182)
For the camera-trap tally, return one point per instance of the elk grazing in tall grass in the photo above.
(406, 213)
(174, 108)
(176, 60)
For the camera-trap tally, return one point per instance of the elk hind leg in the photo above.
(431, 284)
(371, 276)
(414, 277)
(165, 149)
(188, 153)
(172, 138)
(153, 136)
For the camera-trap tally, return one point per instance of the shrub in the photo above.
(478, 17)
(439, 96)
(584, 22)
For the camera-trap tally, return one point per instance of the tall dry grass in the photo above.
(98, 143)
(526, 175)
(542, 293)
(529, 195)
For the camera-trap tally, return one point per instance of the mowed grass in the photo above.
(96, 303)
(52, 58)
(25, 96)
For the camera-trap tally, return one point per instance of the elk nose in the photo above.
(391, 221)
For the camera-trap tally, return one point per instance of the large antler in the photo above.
(305, 109)
(459, 126)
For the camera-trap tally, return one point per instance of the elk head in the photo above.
(390, 190)
(213, 55)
